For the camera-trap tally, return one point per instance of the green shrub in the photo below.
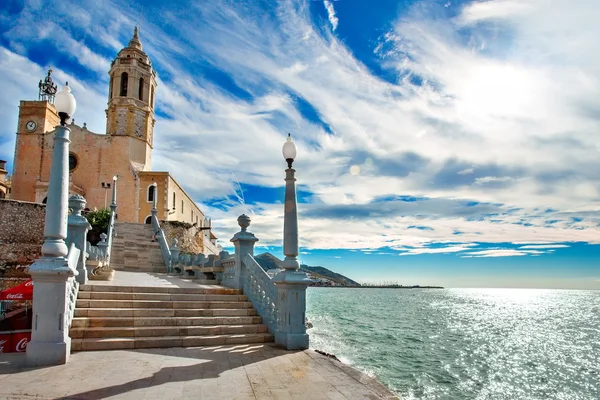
(99, 219)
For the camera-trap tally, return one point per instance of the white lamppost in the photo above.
(155, 185)
(290, 217)
(55, 229)
(113, 204)
(291, 283)
(52, 275)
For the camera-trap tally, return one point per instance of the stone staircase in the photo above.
(123, 317)
(133, 249)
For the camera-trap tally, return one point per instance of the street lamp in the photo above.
(51, 273)
(105, 186)
(154, 196)
(291, 283)
(65, 104)
(55, 228)
(290, 218)
(113, 204)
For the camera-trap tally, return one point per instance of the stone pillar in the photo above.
(290, 222)
(174, 253)
(291, 283)
(51, 273)
(244, 244)
(103, 246)
(77, 234)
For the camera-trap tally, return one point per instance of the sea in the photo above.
(464, 343)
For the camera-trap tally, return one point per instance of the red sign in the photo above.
(19, 341)
(5, 343)
(22, 292)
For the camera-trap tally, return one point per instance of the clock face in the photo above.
(31, 125)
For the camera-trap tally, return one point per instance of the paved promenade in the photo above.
(219, 372)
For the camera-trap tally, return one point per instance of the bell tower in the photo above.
(130, 111)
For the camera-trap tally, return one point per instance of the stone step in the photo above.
(164, 331)
(153, 289)
(118, 267)
(164, 312)
(85, 322)
(160, 296)
(168, 341)
(157, 304)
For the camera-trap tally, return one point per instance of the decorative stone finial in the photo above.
(244, 222)
(77, 204)
(135, 40)
(103, 237)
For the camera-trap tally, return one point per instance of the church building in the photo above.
(124, 151)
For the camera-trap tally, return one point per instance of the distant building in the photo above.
(4, 181)
(125, 150)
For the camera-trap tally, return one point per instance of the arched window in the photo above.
(182, 206)
(141, 90)
(124, 81)
(150, 193)
(2, 195)
(173, 200)
(110, 88)
(148, 219)
(152, 96)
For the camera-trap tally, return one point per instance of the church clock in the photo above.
(30, 126)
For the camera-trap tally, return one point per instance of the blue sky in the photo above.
(439, 142)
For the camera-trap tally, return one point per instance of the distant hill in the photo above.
(268, 261)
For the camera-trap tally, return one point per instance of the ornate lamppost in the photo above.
(291, 283)
(51, 273)
(113, 204)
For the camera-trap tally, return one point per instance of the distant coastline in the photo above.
(383, 287)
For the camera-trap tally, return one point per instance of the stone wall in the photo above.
(21, 235)
(189, 237)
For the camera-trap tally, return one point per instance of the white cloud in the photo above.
(500, 253)
(544, 246)
(520, 115)
(331, 14)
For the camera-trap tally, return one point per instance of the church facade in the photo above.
(124, 151)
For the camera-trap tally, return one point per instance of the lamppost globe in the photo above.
(65, 104)
(289, 150)
(115, 178)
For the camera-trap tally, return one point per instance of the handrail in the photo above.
(72, 286)
(261, 291)
(159, 235)
(111, 233)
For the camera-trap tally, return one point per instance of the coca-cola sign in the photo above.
(22, 345)
(2, 343)
(15, 296)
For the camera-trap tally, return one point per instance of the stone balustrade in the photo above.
(280, 301)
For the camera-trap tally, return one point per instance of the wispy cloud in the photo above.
(331, 14)
(486, 118)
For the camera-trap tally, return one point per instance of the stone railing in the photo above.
(280, 301)
(228, 271)
(261, 291)
(198, 266)
(111, 233)
(72, 287)
(160, 237)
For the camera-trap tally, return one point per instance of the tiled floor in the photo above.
(151, 279)
(219, 372)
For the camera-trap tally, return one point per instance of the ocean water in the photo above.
(465, 343)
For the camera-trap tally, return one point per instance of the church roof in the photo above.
(135, 43)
